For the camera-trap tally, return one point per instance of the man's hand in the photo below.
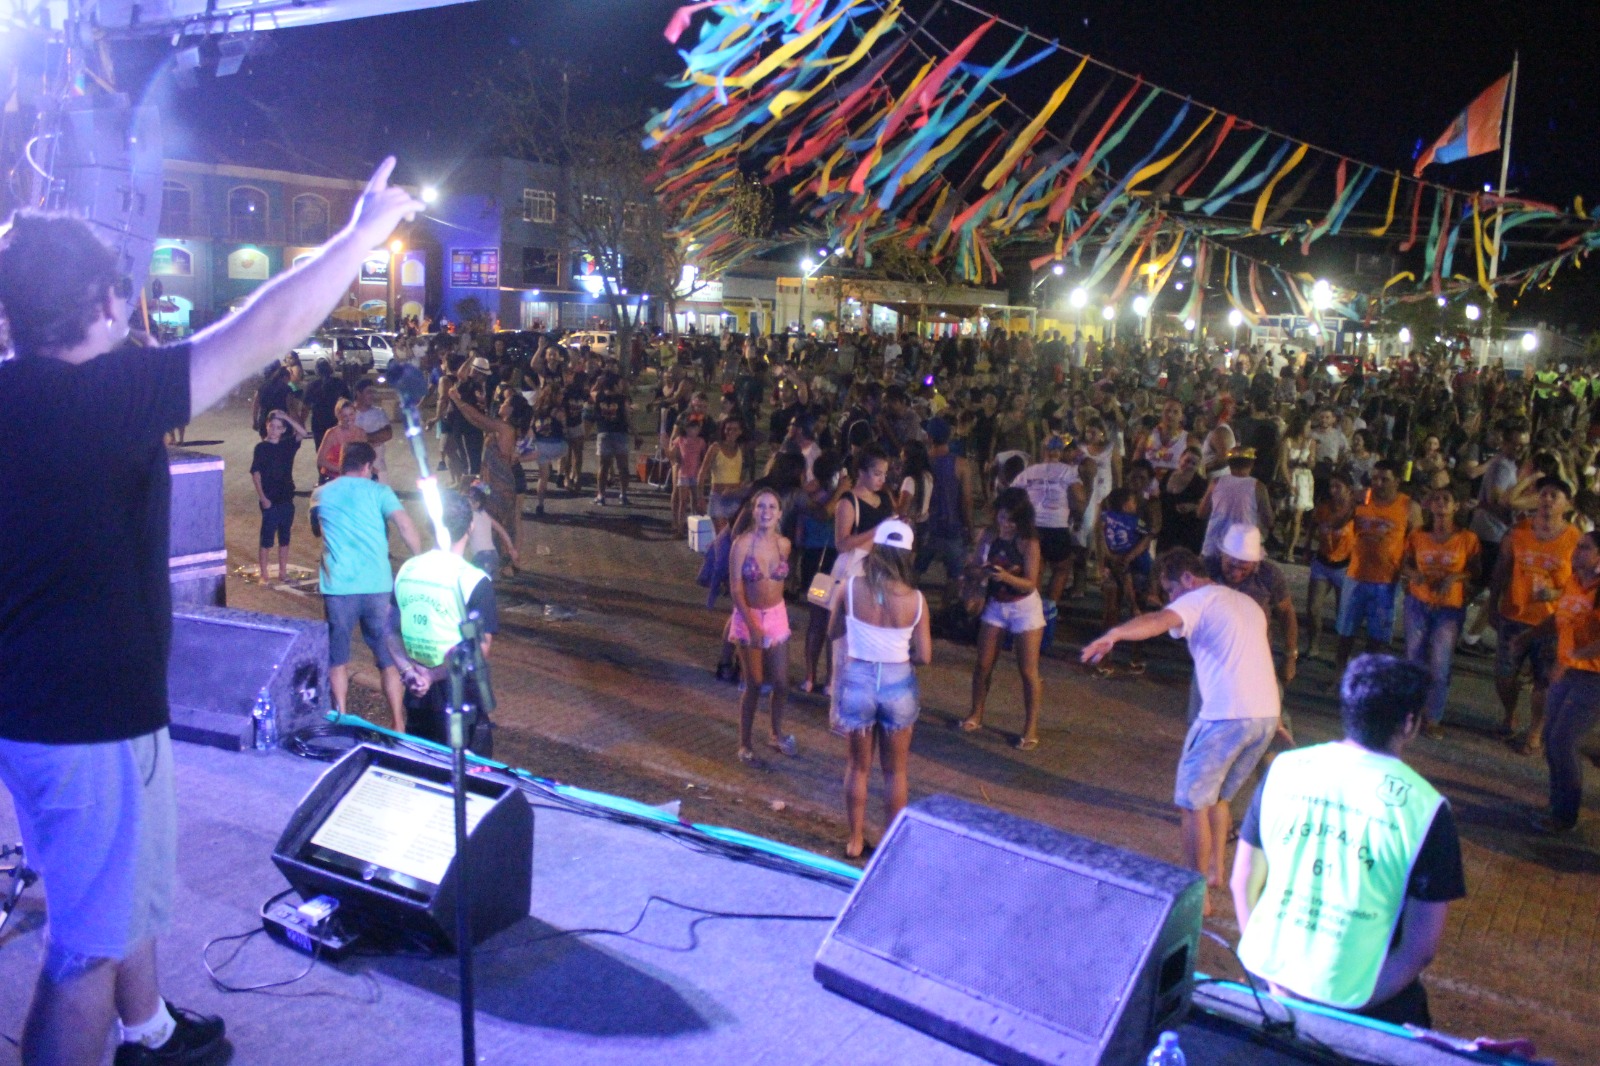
(417, 678)
(265, 503)
(1099, 648)
(382, 207)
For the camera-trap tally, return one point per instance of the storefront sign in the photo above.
(169, 261)
(475, 268)
(375, 271)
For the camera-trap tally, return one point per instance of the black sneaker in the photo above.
(197, 1039)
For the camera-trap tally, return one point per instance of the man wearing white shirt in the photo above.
(1058, 496)
(375, 420)
(1239, 703)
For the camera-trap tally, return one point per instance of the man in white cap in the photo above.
(1227, 636)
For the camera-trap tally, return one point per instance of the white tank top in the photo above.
(1233, 501)
(876, 644)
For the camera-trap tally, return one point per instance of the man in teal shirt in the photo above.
(352, 514)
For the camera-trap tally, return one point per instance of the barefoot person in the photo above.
(759, 628)
(84, 642)
(884, 623)
(1227, 635)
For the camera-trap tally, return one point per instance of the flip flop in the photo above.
(967, 725)
(1026, 743)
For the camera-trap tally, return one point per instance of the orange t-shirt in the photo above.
(1334, 543)
(1435, 560)
(1577, 626)
(1380, 539)
(1537, 567)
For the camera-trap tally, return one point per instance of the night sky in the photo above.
(1375, 80)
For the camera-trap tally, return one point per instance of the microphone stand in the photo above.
(465, 661)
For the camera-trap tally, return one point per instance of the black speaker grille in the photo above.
(930, 912)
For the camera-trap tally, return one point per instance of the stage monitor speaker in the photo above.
(1017, 941)
(109, 169)
(223, 659)
(377, 833)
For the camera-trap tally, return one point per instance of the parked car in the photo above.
(603, 341)
(348, 351)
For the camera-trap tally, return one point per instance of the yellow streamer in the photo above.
(781, 56)
(1404, 275)
(1477, 249)
(1388, 219)
(1162, 164)
(1025, 140)
(789, 99)
(953, 140)
(1266, 194)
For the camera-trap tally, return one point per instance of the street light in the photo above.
(1405, 335)
(1530, 341)
(1108, 312)
(1057, 269)
(1141, 305)
(1473, 313)
(1235, 318)
(1442, 301)
(1187, 261)
(430, 194)
(1189, 324)
(1078, 299)
(396, 246)
(1322, 294)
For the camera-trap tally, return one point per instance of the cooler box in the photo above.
(700, 532)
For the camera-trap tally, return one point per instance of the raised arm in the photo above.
(287, 309)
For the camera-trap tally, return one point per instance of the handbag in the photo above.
(820, 594)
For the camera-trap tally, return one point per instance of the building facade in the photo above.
(226, 229)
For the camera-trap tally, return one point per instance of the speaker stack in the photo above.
(1017, 941)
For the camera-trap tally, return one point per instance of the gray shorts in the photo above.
(99, 823)
(1219, 755)
(612, 445)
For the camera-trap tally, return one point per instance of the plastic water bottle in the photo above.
(1166, 1052)
(266, 721)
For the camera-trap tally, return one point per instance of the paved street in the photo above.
(621, 697)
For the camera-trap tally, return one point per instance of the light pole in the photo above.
(808, 267)
(1321, 300)
(1109, 315)
(395, 248)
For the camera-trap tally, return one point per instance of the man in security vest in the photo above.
(432, 593)
(1348, 859)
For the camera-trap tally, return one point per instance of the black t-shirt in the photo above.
(85, 604)
(275, 464)
(611, 413)
(322, 396)
(1436, 876)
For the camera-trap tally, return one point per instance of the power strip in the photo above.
(313, 926)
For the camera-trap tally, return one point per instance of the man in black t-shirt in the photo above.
(611, 426)
(272, 471)
(322, 397)
(86, 608)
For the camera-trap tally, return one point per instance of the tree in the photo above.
(609, 208)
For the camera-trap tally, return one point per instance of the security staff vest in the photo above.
(432, 590)
(1341, 827)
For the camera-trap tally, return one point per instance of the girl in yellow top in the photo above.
(1534, 564)
(1440, 561)
(1574, 700)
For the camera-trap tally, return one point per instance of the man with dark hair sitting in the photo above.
(1348, 859)
(433, 592)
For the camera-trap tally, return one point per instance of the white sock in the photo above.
(152, 1033)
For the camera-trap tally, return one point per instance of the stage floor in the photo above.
(675, 990)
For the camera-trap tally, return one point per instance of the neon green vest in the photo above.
(1544, 383)
(1341, 827)
(432, 590)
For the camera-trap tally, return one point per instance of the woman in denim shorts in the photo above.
(883, 621)
(1007, 559)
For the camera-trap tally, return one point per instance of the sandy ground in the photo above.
(620, 697)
